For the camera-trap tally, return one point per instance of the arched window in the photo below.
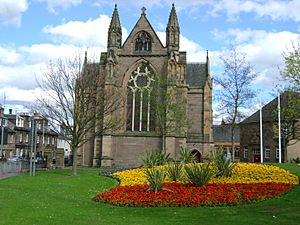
(143, 42)
(140, 107)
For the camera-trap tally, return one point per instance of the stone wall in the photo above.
(124, 151)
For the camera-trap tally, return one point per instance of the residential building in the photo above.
(19, 138)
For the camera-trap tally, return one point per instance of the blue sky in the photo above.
(32, 32)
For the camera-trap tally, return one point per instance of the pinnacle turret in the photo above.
(173, 21)
(207, 63)
(173, 31)
(115, 30)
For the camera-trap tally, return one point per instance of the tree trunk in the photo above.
(74, 165)
(164, 144)
(232, 142)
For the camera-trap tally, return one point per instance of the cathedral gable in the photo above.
(143, 39)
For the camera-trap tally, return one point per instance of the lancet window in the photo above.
(143, 42)
(140, 104)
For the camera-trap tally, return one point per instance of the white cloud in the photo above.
(263, 51)
(24, 64)
(140, 3)
(11, 12)
(274, 9)
(53, 5)
(21, 77)
(15, 94)
(9, 56)
(42, 53)
(92, 33)
(195, 52)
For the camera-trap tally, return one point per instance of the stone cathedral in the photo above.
(131, 69)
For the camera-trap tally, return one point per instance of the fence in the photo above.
(18, 166)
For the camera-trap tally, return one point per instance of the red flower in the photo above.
(176, 194)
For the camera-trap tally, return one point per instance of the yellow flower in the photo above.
(243, 173)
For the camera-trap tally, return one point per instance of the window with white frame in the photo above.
(20, 137)
(140, 109)
(27, 138)
(53, 141)
(246, 152)
(19, 121)
(256, 151)
(37, 139)
(267, 152)
(48, 141)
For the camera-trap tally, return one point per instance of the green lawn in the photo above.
(55, 197)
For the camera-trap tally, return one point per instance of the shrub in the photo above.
(296, 160)
(224, 166)
(174, 171)
(155, 158)
(186, 156)
(199, 174)
(156, 178)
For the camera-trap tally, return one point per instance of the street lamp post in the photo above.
(3, 124)
(33, 147)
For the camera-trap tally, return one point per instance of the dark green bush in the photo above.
(199, 173)
(155, 158)
(224, 166)
(186, 156)
(156, 178)
(174, 171)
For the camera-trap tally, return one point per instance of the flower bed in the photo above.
(177, 194)
(243, 173)
(249, 183)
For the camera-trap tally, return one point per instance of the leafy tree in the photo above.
(72, 94)
(169, 101)
(291, 70)
(235, 92)
(291, 97)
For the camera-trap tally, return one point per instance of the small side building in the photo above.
(250, 135)
(222, 139)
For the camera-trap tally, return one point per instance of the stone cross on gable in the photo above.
(143, 10)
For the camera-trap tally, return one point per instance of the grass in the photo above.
(56, 198)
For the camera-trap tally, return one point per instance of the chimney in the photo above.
(1, 110)
(10, 111)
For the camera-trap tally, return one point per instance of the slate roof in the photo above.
(196, 74)
(269, 110)
(222, 133)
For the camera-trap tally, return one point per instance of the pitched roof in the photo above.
(269, 110)
(143, 24)
(196, 74)
(222, 133)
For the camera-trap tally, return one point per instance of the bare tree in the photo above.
(74, 96)
(234, 91)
